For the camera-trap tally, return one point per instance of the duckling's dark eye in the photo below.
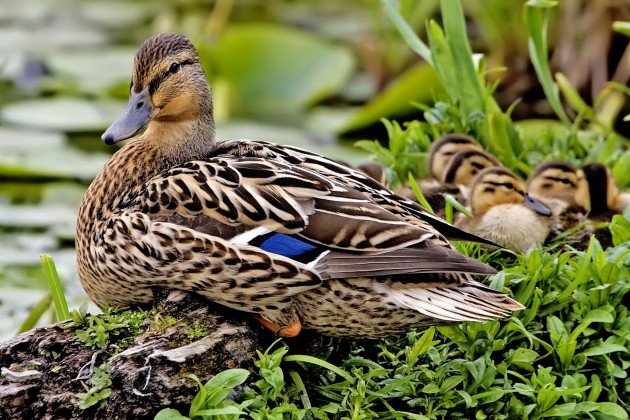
(174, 67)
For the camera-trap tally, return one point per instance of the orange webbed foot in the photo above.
(291, 330)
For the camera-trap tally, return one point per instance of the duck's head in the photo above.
(168, 86)
(554, 179)
(465, 165)
(496, 186)
(596, 188)
(445, 148)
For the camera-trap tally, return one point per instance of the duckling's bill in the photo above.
(133, 119)
(536, 206)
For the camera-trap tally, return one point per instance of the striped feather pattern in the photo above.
(273, 230)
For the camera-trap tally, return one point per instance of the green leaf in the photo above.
(227, 379)
(537, 20)
(418, 192)
(231, 410)
(612, 409)
(571, 94)
(319, 362)
(455, 29)
(55, 286)
(621, 27)
(604, 348)
(421, 346)
(409, 35)
(35, 314)
(418, 83)
(620, 229)
(457, 205)
(524, 358)
(252, 60)
(169, 414)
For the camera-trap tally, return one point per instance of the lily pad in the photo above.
(62, 114)
(93, 70)
(274, 71)
(116, 14)
(14, 139)
(55, 164)
(419, 84)
(43, 217)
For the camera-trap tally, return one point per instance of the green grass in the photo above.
(56, 288)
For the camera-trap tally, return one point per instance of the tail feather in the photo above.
(455, 302)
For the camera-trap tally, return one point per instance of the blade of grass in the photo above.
(455, 30)
(418, 192)
(56, 289)
(408, 34)
(321, 363)
(306, 402)
(35, 314)
(537, 20)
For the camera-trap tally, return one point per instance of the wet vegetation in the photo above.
(321, 75)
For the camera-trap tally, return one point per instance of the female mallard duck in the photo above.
(295, 238)
(504, 213)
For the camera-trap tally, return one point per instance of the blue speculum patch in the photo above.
(286, 245)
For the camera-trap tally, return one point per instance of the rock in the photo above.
(43, 370)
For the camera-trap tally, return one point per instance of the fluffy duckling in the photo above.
(465, 165)
(374, 171)
(443, 150)
(597, 192)
(555, 180)
(456, 179)
(554, 183)
(504, 213)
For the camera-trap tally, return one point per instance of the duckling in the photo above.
(554, 183)
(292, 237)
(504, 213)
(555, 180)
(597, 192)
(444, 149)
(459, 174)
(464, 167)
(374, 171)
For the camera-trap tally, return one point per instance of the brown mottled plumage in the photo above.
(277, 231)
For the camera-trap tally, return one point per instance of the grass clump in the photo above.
(99, 390)
(95, 330)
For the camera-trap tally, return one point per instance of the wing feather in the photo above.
(294, 201)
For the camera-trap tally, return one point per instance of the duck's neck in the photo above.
(182, 139)
(164, 144)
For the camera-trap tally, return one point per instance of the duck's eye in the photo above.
(174, 67)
